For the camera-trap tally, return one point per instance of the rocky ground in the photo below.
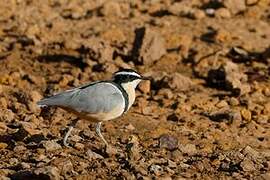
(204, 115)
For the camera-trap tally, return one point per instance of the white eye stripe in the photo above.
(128, 73)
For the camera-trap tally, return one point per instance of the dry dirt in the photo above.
(205, 114)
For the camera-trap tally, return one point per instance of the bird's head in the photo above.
(128, 77)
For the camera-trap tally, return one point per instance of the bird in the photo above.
(98, 101)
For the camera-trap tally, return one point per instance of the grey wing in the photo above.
(95, 98)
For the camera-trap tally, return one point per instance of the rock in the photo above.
(198, 14)
(149, 46)
(50, 171)
(252, 153)
(79, 146)
(111, 9)
(166, 92)
(247, 165)
(129, 127)
(234, 101)
(223, 13)
(145, 87)
(246, 114)
(228, 77)
(51, 145)
(35, 96)
(3, 127)
(189, 149)
(156, 169)
(6, 115)
(168, 142)
(25, 165)
(222, 104)
(19, 148)
(3, 145)
(133, 148)
(265, 176)
(251, 2)
(30, 128)
(235, 6)
(3, 103)
(92, 155)
(180, 82)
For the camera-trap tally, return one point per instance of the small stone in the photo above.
(35, 96)
(235, 6)
(79, 146)
(247, 165)
(19, 148)
(222, 104)
(223, 13)
(198, 14)
(133, 148)
(51, 145)
(145, 87)
(251, 2)
(168, 142)
(189, 149)
(252, 153)
(30, 128)
(172, 164)
(3, 127)
(130, 127)
(3, 145)
(246, 114)
(180, 82)
(25, 165)
(233, 101)
(156, 169)
(266, 92)
(3, 103)
(92, 155)
(50, 171)
(167, 93)
(6, 115)
(111, 9)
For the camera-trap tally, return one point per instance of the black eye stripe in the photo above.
(125, 78)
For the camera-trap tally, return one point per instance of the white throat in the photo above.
(130, 89)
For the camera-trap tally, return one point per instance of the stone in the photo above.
(180, 82)
(223, 13)
(6, 115)
(145, 87)
(92, 155)
(51, 145)
(151, 46)
(156, 169)
(189, 149)
(247, 165)
(168, 142)
(246, 114)
(50, 171)
(235, 6)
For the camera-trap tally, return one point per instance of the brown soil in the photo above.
(205, 114)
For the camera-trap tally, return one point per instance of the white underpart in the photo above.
(130, 89)
(128, 73)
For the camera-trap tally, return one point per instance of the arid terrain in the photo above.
(205, 114)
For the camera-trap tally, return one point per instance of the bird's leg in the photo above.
(71, 126)
(98, 126)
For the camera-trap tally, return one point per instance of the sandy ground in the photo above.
(204, 115)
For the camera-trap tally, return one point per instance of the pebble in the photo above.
(145, 87)
(234, 101)
(3, 127)
(247, 165)
(189, 149)
(246, 114)
(6, 115)
(222, 104)
(168, 142)
(51, 145)
(156, 169)
(3, 145)
(50, 171)
(223, 13)
(79, 146)
(92, 155)
(235, 6)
